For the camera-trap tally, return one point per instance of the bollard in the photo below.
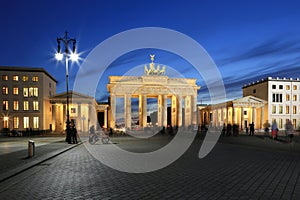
(31, 148)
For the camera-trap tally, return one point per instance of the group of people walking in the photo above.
(289, 130)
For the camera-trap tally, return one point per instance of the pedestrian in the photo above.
(266, 128)
(289, 131)
(251, 129)
(274, 130)
(74, 134)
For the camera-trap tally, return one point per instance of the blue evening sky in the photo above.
(248, 40)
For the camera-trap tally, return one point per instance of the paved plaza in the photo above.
(243, 167)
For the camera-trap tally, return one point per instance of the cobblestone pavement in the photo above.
(230, 171)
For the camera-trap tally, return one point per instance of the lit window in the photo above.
(294, 123)
(4, 90)
(26, 105)
(16, 78)
(287, 87)
(5, 122)
(287, 109)
(25, 92)
(16, 105)
(280, 109)
(294, 87)
(35, 105)
(4, 77)
(25, 78)
(16, 122)
(280, 123)
(35, 122)
(273, 109)
(294, 109)
(15, 91)
(5, 105)
(294, 97)
(35, 79)
(287, 97)
(33, 91)
(26, 122)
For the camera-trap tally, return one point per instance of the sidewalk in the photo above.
(14, 152)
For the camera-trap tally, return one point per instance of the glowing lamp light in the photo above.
(5, 118)
(74, 57)
(59, 56)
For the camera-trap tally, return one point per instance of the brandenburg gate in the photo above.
(181, 92)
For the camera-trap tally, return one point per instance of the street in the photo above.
(230, 171)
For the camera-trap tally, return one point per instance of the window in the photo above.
(25, 92)
(287, 109)
(294, 87)
(16, 122)
(25, 78)
(287, 87)
(280, 109)
(26, 105)
(16, 105)
(277, 98)
(287, 97)
(280, 123)
(273, 86)
(5, 122)
(35, 105)
(35, 79)
(294, 123)
(273, 109)
(294, 97)
(280, 87)
(35, 122)
(26, 122)
(16, 78)
(15, 91)
(5, 105)
(33, 92)
(50, 85)
(4, 77)
(4, 90)
(73, 110)
(245, 112)
(254, 91)
(294, 109)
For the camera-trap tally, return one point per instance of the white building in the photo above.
(283, 97)
(25, 98)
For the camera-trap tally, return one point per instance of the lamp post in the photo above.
(66, 40)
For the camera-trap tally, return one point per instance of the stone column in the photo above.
(53, 117)
(79, 124)
(254, 115)
(233, 115)
(242, 117)
(174, 111)
(187, 111)
(144, 109)
(262, 117)
(179, 111)
(112, 120)
(165, 111)
(127, 110)
(159, 110)
(105, 117)
(194, 109)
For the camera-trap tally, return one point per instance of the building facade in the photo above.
(25, 98)
(283, 97)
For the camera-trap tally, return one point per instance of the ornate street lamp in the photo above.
(66, 40)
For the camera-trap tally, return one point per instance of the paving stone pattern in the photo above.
(228, 172)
